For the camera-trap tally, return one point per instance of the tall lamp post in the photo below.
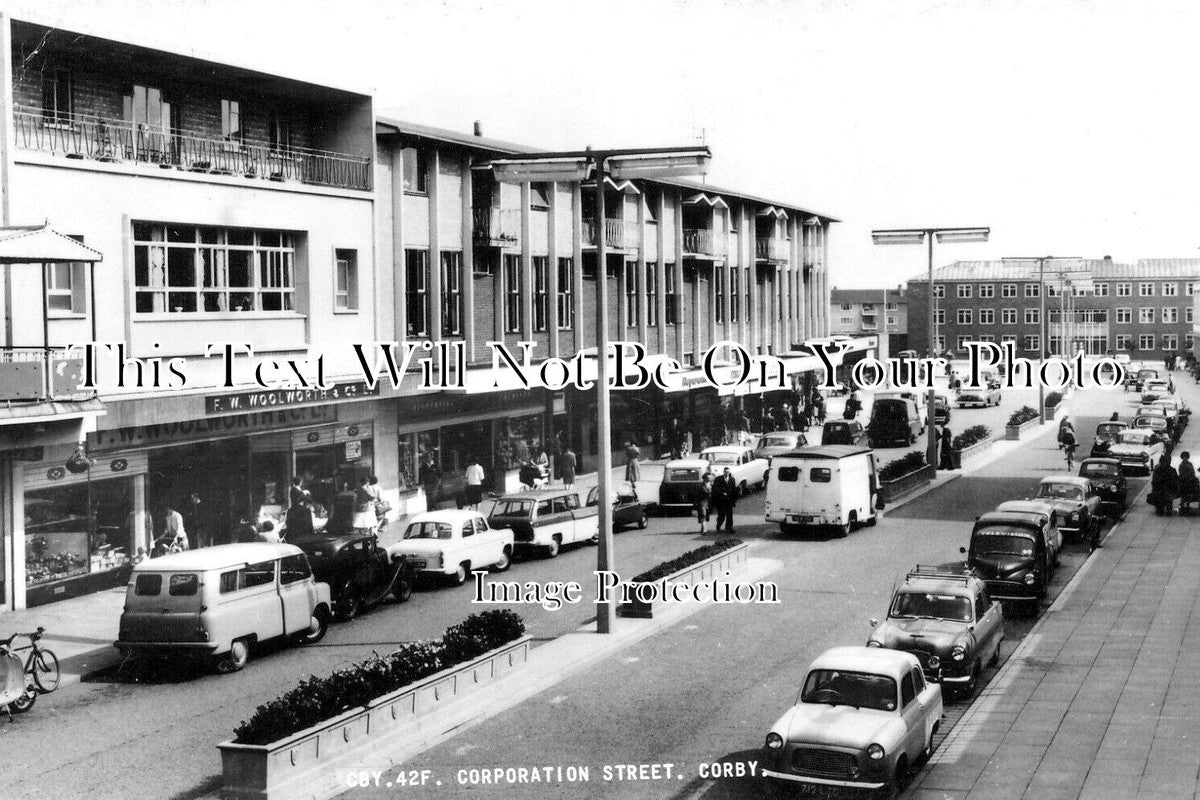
(926, 236)
(577, 166)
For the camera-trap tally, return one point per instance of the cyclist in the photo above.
(1067, 439)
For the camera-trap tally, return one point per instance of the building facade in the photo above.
(1144, 310)
(233, 206)
(871, 312)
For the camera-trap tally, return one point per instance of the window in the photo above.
(1033, 316)
(820, 475)
(281, 133)
(1009, 337)
(539, 197)
(416, 170)
(987, 290)
(847, 306)
(718, 290)
(1033, 343)
(566, 294)
(1124, 315)
(962, 342)
(1124, 289)
(451, 276)
(1170, 342)
(939, 316)
(191, 269)
(1146, 314)
(1170, 314)
(987, 316)
(1189, 341)
(892, 320)
(512, 293)
(66, 289)
(965, 316)
(231, 121)
(631, 294)
(939, 290)
(1170, 290)
(964, 291)
(908, 692)
(846, 320)
(735, 290)
(416, 292)
(1008, 290)
(1123, 341)
(57, 96)
(541, 292)
(1101, 290)
(146, 109)
(293, 568)
(1188, 314)
(186, 584)
(987, 337)
(671, 294)
(1146, 289)
(345, 290)
(148, 584)
(1033, 290)
(1146, 341)
(940, 344)
(1008, 316)
(1189, 288)
(785, 474)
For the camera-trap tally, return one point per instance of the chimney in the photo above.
(479, 127)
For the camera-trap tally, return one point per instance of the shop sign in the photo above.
(277, 398)
(433, 405)
(24, 454)
(211, 428)
(353, 450)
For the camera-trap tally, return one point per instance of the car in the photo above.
(627, 510)
(451, 543)
(894, 420)
(1152, 390)
(864, 717)
(1046, 511)
(1107, 434)
(825, 487)
(1156, 423)
(360, 573)
(1142, 376)
(546, 520)
(843, 431)
(1137, 449)
(1008, 549)
(948, 621)
(1106, 476)
(941, 410)
(1075, 502)
(681, 481)
(772, 444)
(747, 469)
(979, 398)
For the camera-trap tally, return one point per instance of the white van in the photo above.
(219, 601)
(819, 487)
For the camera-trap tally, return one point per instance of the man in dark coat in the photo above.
(724, 498)
(299, 520)
(1189, 485)
(945, 441)
(1164, 487)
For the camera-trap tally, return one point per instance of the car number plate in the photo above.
(797, 518)
(819, 790)
(418, 564)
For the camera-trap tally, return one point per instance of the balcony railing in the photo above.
(497, 226)
(772, 249)
(39, 374)
(701, 241)
(99, 139)
(617, 233)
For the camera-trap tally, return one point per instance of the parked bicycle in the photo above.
(24, 680)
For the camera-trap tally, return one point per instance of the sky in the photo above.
(1069, 128)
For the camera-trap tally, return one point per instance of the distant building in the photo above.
(871, 312)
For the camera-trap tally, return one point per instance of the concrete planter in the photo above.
(311, 764)
(1013, 432)
(962, 456)
(898, 487)
(705, 570)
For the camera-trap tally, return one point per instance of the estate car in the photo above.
(546, 519)
(843, 431)
(1137, 449)
(452, 543)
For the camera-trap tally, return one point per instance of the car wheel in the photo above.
(24, 702)
(460, 575)
(552, 549)
(968, 689)
(844, 530)
(927, 753)
(643, 520)
(318, 624)
(503, 564)
(899, 777)
(348, 606)
(236, 658)
(403, 589)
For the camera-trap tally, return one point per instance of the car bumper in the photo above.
(1010, 590)
(166, 648)
(786, 776)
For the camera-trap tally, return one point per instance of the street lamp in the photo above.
(926, 236)
(579, 166)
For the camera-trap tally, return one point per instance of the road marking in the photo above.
(691, 627)
(632, 659)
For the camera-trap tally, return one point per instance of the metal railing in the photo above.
(40, 374)
(497, 225)
(100, 139)
(772, 249)
(617, 233)
(699, 240)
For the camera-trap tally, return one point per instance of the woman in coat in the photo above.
(946, 439)
(703, 500)
(1189, 485)
(1164, 488)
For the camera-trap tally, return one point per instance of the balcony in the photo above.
(618, 234)
(497, 227)
(702, 242)
(117, 141)
(772, 249)
(40, 374)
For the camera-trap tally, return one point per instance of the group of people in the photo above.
(720, 495)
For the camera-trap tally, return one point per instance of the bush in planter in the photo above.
(1021, 416)
(1053, 399)
(686, 560)
(972, 435)
(902, 466)
(315, 699)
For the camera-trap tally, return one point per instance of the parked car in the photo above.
(941, 410)
(1152, 390)
(894, 421)
(681, 481)
(979, 398)
(359, 572)
(627, 509)
(948, 621)
(842, 431)
(1008, 550)
(451, 543)
(217, 602)
(747, 469)
(1075, 501)
(546, 519)
(1106, 476)
(1137, 449)
(1141, 376)
(830, 486)
(864, 717)
(1107, 434)
(772, 444)
(919, 399)
(1157, 423)
(1047, 512)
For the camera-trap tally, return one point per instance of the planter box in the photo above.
(700, 571)
(311, 764)
(1013, 432)
(898, 487)
(961, 456)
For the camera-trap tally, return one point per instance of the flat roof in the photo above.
(218, 557)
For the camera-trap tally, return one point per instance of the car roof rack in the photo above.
(941, 573)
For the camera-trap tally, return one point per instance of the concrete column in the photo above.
(467, 279)
(526, 276)
(399, 284)
(660, 272)
(552, 271)
(681, 326)
(435, 249)
(642, 329)
(577, 263)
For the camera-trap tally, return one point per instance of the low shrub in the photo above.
(902, 466)
(1022, 415)
(972, 435)
(686, 560)
(315, 699)
(1053, 399)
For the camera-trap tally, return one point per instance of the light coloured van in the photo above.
(830, 486)
(217, 602)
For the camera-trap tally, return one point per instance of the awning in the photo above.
(711, 200)
(625, 186)
(39, 244)
(49, 411)
(773, 211)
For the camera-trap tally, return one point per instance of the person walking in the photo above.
(364, 505)
(566, 465)
(1164, 487)
(785, 417)
(633, 468)
(818, 407)
(174, 528)
(853, 406)
(299, 520)
(946, 448)
(1189, 485)
(703, 500)
(724, 498)
(431, 479)
(473, 478)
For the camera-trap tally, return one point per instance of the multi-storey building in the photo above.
(1143, 309)
(229, 205)
(871, 312)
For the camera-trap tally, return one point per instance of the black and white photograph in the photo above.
(599, 399)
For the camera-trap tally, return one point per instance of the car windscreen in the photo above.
(1060, 491)
(931, 606)
(1001, 541)
(429, 530)
(720, 458)
(1100, 470)
(1134, 437)
(1109, 432)
(841, 688)
(512, 508)
(775, 441)
(683, 475)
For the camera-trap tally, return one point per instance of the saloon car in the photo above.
(1105, 475)
(681, 481)
(1046, 511)
(546, 519)
(948, 621)
(1107, 434)
(1137, 449)
(359, 572)
(1152, 390)
(452, 543)
(1075, 502)
(772, 444)
(841, 431)
(626, 510)
(1008, 550)
(863, 718)
(748, 470)
(978, 398)
(1142, 376)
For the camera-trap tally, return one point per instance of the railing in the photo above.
(772, 249)
(617, 233)
(699, 240)
(99, 139)
(40, 373)
(497, 226)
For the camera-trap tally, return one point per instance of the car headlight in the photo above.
(875, 752)
(874, 643)
(958, 653)
(1029, 579)
(1074, 516)
(934, 662)
(774, 741)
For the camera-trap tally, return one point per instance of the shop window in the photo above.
(77, 529)
(345, 290)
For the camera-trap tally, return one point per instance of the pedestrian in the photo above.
(1116, 417)
(633, 468)
(382, 507)
(785, 417)
(946, 442)
(744, 428)
(1189, 485)
(703, 499)
(566, 465)
(174, 528)
(298, 494)
(724, 498)
(364, 505)
(473, 478)
(799, 415)
(818, 406)
(1164, 487)
(1069, 444)
(243, 532)
(431, 479)
(299, 520)
(542, 460)
(853, 406)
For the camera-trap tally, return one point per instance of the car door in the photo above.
(259, 585)
(487, 542)
(912, 710)
(547, 521)
(587, 518)
(471, 547)
(988, 625)
(297, 592)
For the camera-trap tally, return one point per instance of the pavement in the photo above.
(1102, 700)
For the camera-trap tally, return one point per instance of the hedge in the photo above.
(972, 435)
(318, 699)
(1053, 399)
(902, 466)
(1022, 415)
(686, 560)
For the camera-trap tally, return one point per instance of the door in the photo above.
(488, 542)
(989, 623)
(259, 601)
(296, 591)
(912, 710)
(549, 521)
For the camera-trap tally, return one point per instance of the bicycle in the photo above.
(1070, 449)
(41, 665)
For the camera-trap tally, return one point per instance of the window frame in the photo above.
(416, 297)
(541, 293)
(450, 264)
(514, 316)
(419, 184)
(565, 300)
(349, 257)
